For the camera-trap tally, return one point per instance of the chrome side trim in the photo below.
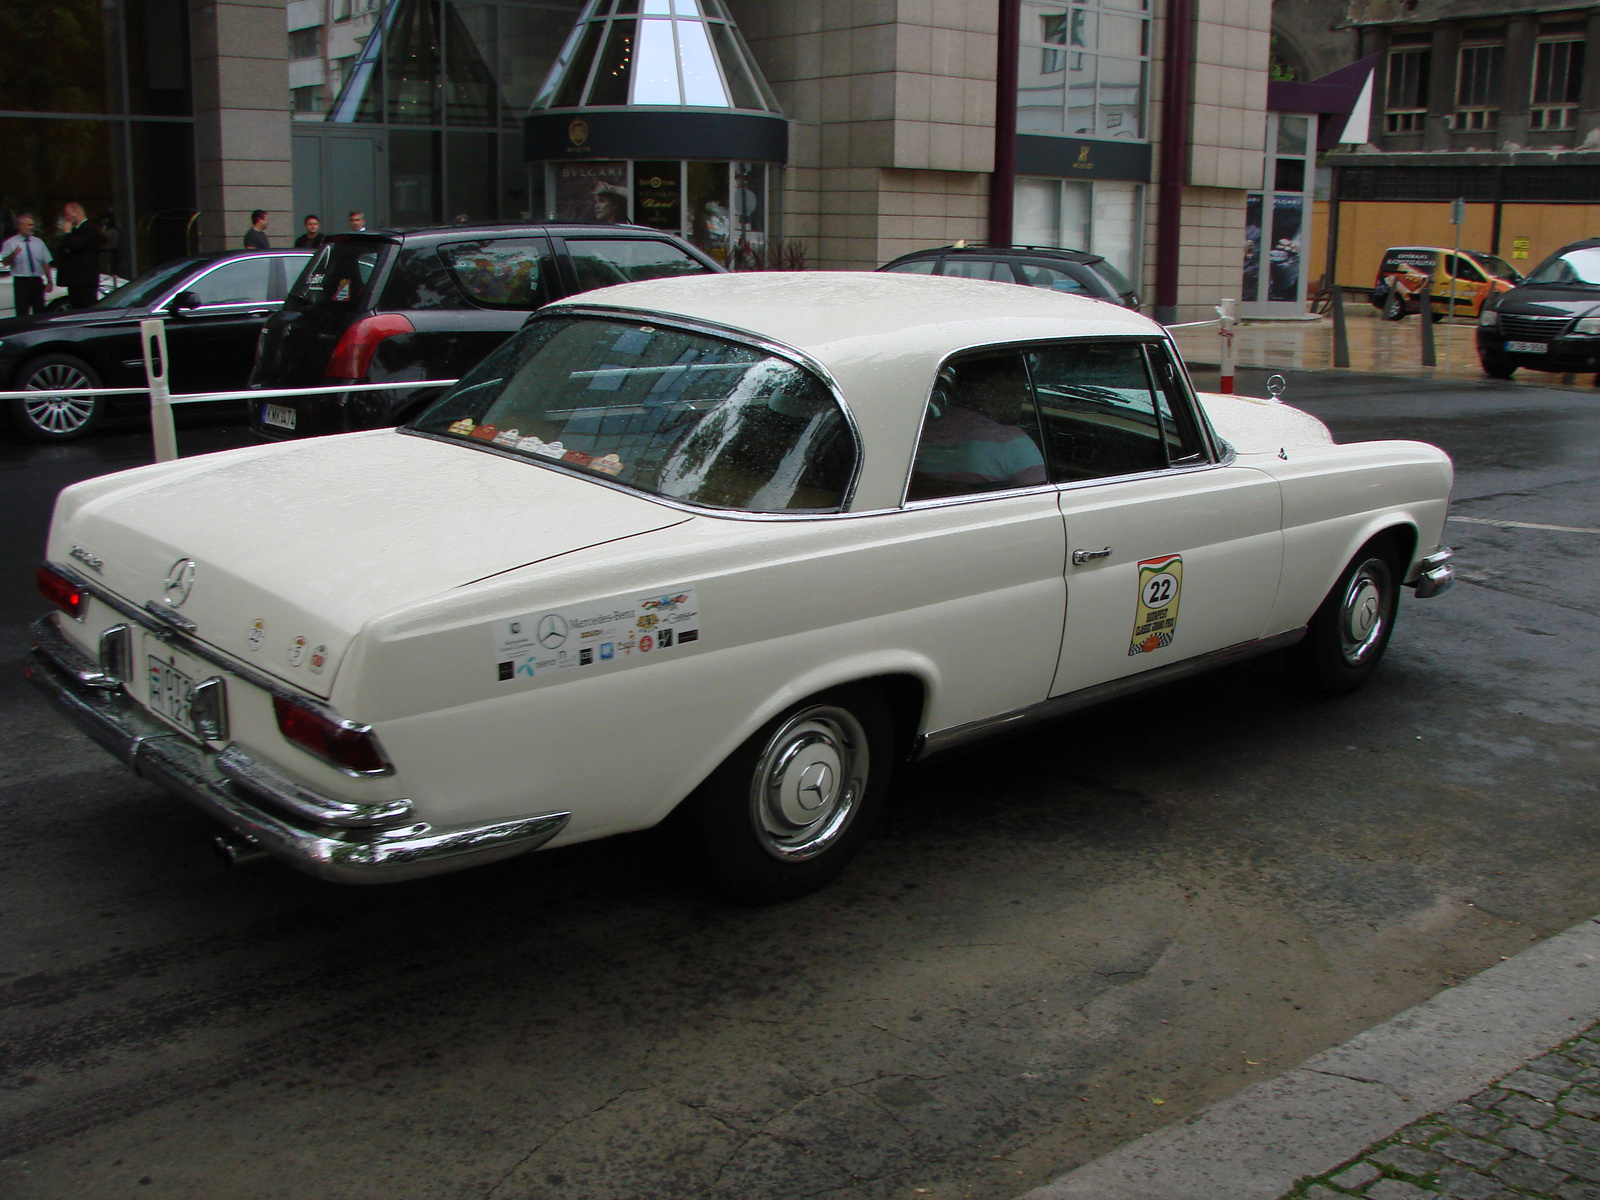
(324, 837)
(1056, 706)
(165, 612)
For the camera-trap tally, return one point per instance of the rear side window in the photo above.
(240, 282)
(500, 272)
(920, 266)
(601, 262)
(978, 268)
(341, 277)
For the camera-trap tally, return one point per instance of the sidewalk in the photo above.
(1376, 347)
(1488, 1091)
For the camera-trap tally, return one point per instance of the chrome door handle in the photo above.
(1079, 557)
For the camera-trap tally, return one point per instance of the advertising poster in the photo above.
(1288, 215)
(657, 197)
(592, 191)
(1252, 247)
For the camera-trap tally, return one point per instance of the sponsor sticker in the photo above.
(319, 659)
(297, 650)
(539, 645)
(258, 633)
(1155, 613)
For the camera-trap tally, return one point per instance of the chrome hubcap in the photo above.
(1364, 612)
(59, 414)
(809, 782)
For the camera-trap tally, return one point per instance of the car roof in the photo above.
(881, 335)
(499, 229)
(1061, 252)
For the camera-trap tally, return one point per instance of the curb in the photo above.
(1256, 1145)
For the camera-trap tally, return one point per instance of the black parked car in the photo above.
(1075, 271)
(1550, 321)
(214, 306)
(431, 304)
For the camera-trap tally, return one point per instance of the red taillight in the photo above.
(353, 354)
(61, 591)
(341, 743)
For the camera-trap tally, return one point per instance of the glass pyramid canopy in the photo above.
(656, 53)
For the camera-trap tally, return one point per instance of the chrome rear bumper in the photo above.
(1435, 574)
(331, 839)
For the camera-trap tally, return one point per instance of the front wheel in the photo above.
(1350, 631)
(788, 809)
(1394, 305)
(1495, 369)
(59, 418)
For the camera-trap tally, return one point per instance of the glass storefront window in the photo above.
(1104, 217)
(469, 176)
(658, 195)
(1084, 68)
(707, 197)
(749, 233)
(53, 59)
(413, 176)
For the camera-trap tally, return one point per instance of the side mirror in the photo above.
(184, 300)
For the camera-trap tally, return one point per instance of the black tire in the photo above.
(63, 418)
(1394, 306)
(1346, 638)
(1495, 369)
(755, 824)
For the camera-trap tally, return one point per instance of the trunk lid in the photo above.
(312, 539)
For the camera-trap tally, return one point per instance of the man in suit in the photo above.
(78, 257)
(312, 237)
(255, 238)
(358, 221)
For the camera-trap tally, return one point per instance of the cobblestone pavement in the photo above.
(1535, 1133)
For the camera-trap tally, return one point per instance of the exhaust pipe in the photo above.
(236, 850)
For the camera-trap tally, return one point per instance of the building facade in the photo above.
(180, 116)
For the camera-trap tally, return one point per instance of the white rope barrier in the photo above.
(249, 394)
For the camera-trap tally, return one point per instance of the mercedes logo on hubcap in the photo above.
(180, 582)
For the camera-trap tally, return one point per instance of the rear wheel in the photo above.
(788, 809)
(1394, 305)
(1347, 637)
(60, 418)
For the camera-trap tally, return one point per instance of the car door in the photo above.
(1171, 553)
(213, 344)
(600, 261)
(501, 280)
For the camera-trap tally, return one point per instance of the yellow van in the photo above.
(1474, 276)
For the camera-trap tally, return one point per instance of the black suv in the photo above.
(431, 304)
(1550, 321)
(1075, 271)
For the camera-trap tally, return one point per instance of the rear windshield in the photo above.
(341, 276)
(668, 411)
(1575, 266)
(1118, 281)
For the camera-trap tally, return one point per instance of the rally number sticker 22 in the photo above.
(1155, 614)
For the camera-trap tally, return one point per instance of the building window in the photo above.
(305, 43)
(1084, 69)
(307, 99)
(1103, 217)
(1478, 86)
(1406, 107)
(1557, 82)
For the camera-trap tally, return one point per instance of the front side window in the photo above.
(601, 262)
(980, 432)
(670, 412)
(1579, 267)
(978, 268)
(249, 279)
(500, 272)
(1057, 279)
(1103, 413)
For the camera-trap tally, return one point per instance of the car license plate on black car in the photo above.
(280, 415)
(171, 692)
(1518, 348)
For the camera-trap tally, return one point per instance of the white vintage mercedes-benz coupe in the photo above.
(737, 542)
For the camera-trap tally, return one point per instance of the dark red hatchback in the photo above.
(430, 304)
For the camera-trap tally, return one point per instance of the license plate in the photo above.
(280, 415)
(171, 692)
(1528, 347)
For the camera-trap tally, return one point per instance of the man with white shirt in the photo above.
(29, 259)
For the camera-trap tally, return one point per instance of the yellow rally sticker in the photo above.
(1155, 616)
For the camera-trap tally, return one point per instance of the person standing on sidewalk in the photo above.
(29, 259)
(312, 237)
(78, 256)
(358, 221)
(255, 238)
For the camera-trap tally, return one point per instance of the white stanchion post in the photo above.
(1228, 311)
(153, 337)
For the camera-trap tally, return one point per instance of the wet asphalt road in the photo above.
(1057, 941)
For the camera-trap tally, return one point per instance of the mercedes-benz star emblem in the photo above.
(552, 630)
(180, 582)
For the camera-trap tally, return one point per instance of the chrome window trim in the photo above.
(1214, 458)
(706, 328)
(191, 280)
